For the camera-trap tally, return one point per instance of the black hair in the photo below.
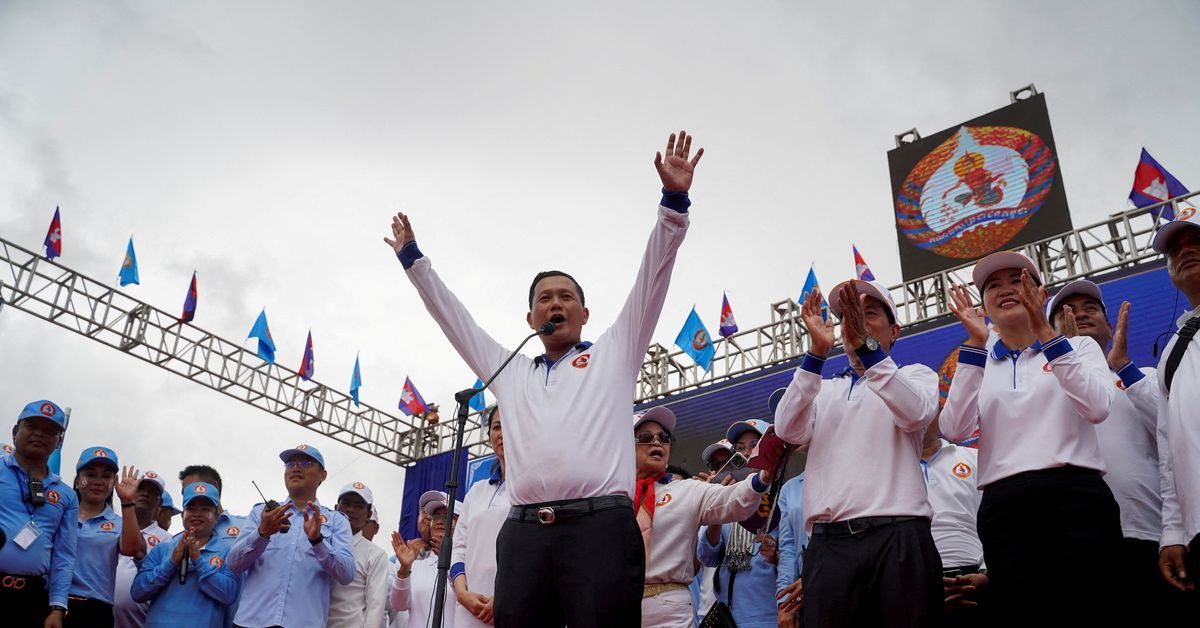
(554, 273)
(679, 471)
(206, 473)
(490, 413)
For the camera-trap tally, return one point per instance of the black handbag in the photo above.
(720, 615)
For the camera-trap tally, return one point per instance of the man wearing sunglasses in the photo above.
(294, 552)
(670, 512)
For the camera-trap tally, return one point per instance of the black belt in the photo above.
(21, 584)
(547, 513)
(960, 571)
(852, 527)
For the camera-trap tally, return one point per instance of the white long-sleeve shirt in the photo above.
(1129, 444)
(950, 474)
(863, 437)
(1177, 413)
(126, 612)
(572, 413)
(483, 513)
(681, 508)
(416, 592)
(363, 602)
(1035, 409)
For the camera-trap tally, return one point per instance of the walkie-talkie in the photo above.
(271, 505)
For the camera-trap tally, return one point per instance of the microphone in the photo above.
(183, 562)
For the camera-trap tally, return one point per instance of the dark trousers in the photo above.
(1051, 540)
(1149, 599)
(24, 601)
(584, 571)
(885, 576)
(88, 613)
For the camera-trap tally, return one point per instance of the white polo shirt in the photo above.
(573, 413)
(1177, 414)
(863, 437)
(1035, 409)
(126, 612)
(950, 474)
(416, 593)
(1129, 444)
(483, 513)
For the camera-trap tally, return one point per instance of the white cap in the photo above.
(714, 448)
(434, 505)
(1188, 217)
(151, 476)
(1079, 286)
(659, 414)
(999, 261)
(374, 515)
(869, 288)
(359, 489)
(430, 496)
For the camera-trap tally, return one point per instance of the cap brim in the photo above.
(195, 497)
(659, 414)
(1079, 286)
(711, 450)
(990, 264)
(864, 287)
(775, 398)
(736, 430)
(287, 454)
(1162, 238)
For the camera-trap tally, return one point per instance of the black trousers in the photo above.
(24, 601)
(885, 576)
(1051, 540)
(88, 613)
(584, 571)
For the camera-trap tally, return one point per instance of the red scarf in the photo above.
(644, 494)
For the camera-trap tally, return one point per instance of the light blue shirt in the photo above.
(754, 590)
(201, 600)
(228, 529)
(792, 537)
(287, 579)
(53, 551)
(96, 554)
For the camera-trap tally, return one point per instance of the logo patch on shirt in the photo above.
(1046, 368)
(233, 531)
(962, 470)
(1120, 384)
(53, 497)
(108, 526)
(152, 541)
(581, 362)
(324, 519)
(8, 449)
(663, 501)
(216, 561)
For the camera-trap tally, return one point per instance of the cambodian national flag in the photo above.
(410, 399)
(307, 365)
(811, 284)
(1153, 184)
(189, 303)
(860, 266)
(355, 382)
(478, 402)
(129, 271)
(266, 344)
(53, 241)
(728, 324)
(694, 340)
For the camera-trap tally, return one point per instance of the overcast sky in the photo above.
(266, 144)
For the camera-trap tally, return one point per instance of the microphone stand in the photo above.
(463, 399)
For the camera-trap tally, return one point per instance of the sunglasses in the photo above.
(300, 464)
(647, 438)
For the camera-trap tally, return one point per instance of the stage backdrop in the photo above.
(987, 184)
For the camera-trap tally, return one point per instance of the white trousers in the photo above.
(670, 609)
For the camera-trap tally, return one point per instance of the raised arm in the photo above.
(960, 416)
(400, 596)
(728, 504)
(478, 349)
(131, 543)
(796, 410)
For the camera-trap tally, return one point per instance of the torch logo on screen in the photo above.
(975, 192)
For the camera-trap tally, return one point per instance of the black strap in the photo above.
(1181, 345)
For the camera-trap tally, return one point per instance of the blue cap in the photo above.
(775, 398)
(738, 428)
(168, 503)
(103, 454)
(303, 450)
(44, 409)
(201, 490)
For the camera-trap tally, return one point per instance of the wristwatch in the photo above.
(869, 345)
(56, 607)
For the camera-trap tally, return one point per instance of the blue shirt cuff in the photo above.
(972, 355)
(1130, 374)
(409, 254)
(1056, 348)
(757, 484)
(873, 358)
(812, 363)
(456, 570)
(677, 201)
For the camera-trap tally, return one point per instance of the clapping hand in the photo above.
(1069, 327)
(676, 171)
(854, 326)
(1033, 299)
(405, 555)
(1118, 356)
(970, 316)
(820, 331)
(312, 522)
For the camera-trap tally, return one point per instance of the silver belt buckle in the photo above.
(545, 515)
(850, 527)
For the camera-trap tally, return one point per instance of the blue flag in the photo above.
(478, 403)
(266, 344)
(355, 382)
(129, 272)
(694, 340)
(811, 284)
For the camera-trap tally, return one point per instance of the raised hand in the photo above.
(676, 171)
(1118, 356)
(312, 522)
(1033, 299)
(854, 325)
(1070, 328)
(405, 554)
(181, 547)
(402, 232)
(820, 331)
(273, 521)
(127, 487)
(970, 316)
